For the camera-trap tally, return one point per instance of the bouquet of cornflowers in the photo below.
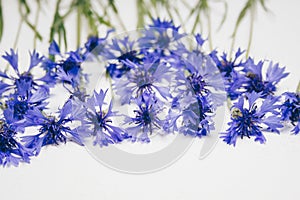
(171, 86)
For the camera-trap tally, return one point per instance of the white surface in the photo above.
(248, 171)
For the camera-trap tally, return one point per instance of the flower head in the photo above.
(248, 119)
(119, 51)
(24, 83)
(290, 110)
(255, 81)
(160, 35)
(149, 77)
(17, 106)
(12, 152)
(198, 92)
(231, 72)
(96, 45)
(97, 122)
(52, 131)
(146, 118)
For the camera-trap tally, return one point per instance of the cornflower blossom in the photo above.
(22, 82)
(52, 131)
(12, 151)
(146, 119)
(290, 110)
(97, 121)
(248, 119)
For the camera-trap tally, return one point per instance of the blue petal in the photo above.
(54, 48)
(12, 58)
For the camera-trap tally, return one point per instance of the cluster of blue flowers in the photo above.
(171, 85)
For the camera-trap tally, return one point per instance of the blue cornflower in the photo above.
(227, 66)
(149, 76)
(255, 81)
(17, 106)
(119, 51)
(52, 131)
(12, 152)
(24, 83)
(200, 77)
(231, 72)
(198, 93)
(160, 35)
(248, 119)
(68, 69)
(290, 110)
(96, 45)
(146, 118)
(97, 121)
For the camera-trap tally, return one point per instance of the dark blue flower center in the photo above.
(255, 84)
(99, 120)
(226, 67)
(131, 56)
(143, 116)
(197, 83)
(7, 142)
(53, 131)
(71, 66)
(246, 121)
(92, 43)
(20, 108)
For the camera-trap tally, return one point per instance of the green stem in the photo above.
(18, 33)
(232, 44)
(78, 26)
(196, 22)
(251, 32)
(209, 30)
(298, 88)
(36, 22)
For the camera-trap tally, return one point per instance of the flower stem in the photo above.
(18, 33)
(78, 26)
(251, 32)
(209, 30)
(36, 23)
(298, 88)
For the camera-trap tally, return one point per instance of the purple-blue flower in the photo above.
(146, 119)
(96, 45)
(231, 72)
(149, 76)
(12, 151)
(290, 110)
(17, 106)
(67, 69)
(160, 35)
(24, 83)
(255, 80)
(248, 119)
(198, 92)
(98, 121)
(119, 51)
(52, 130)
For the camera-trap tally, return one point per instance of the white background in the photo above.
(248, 171)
